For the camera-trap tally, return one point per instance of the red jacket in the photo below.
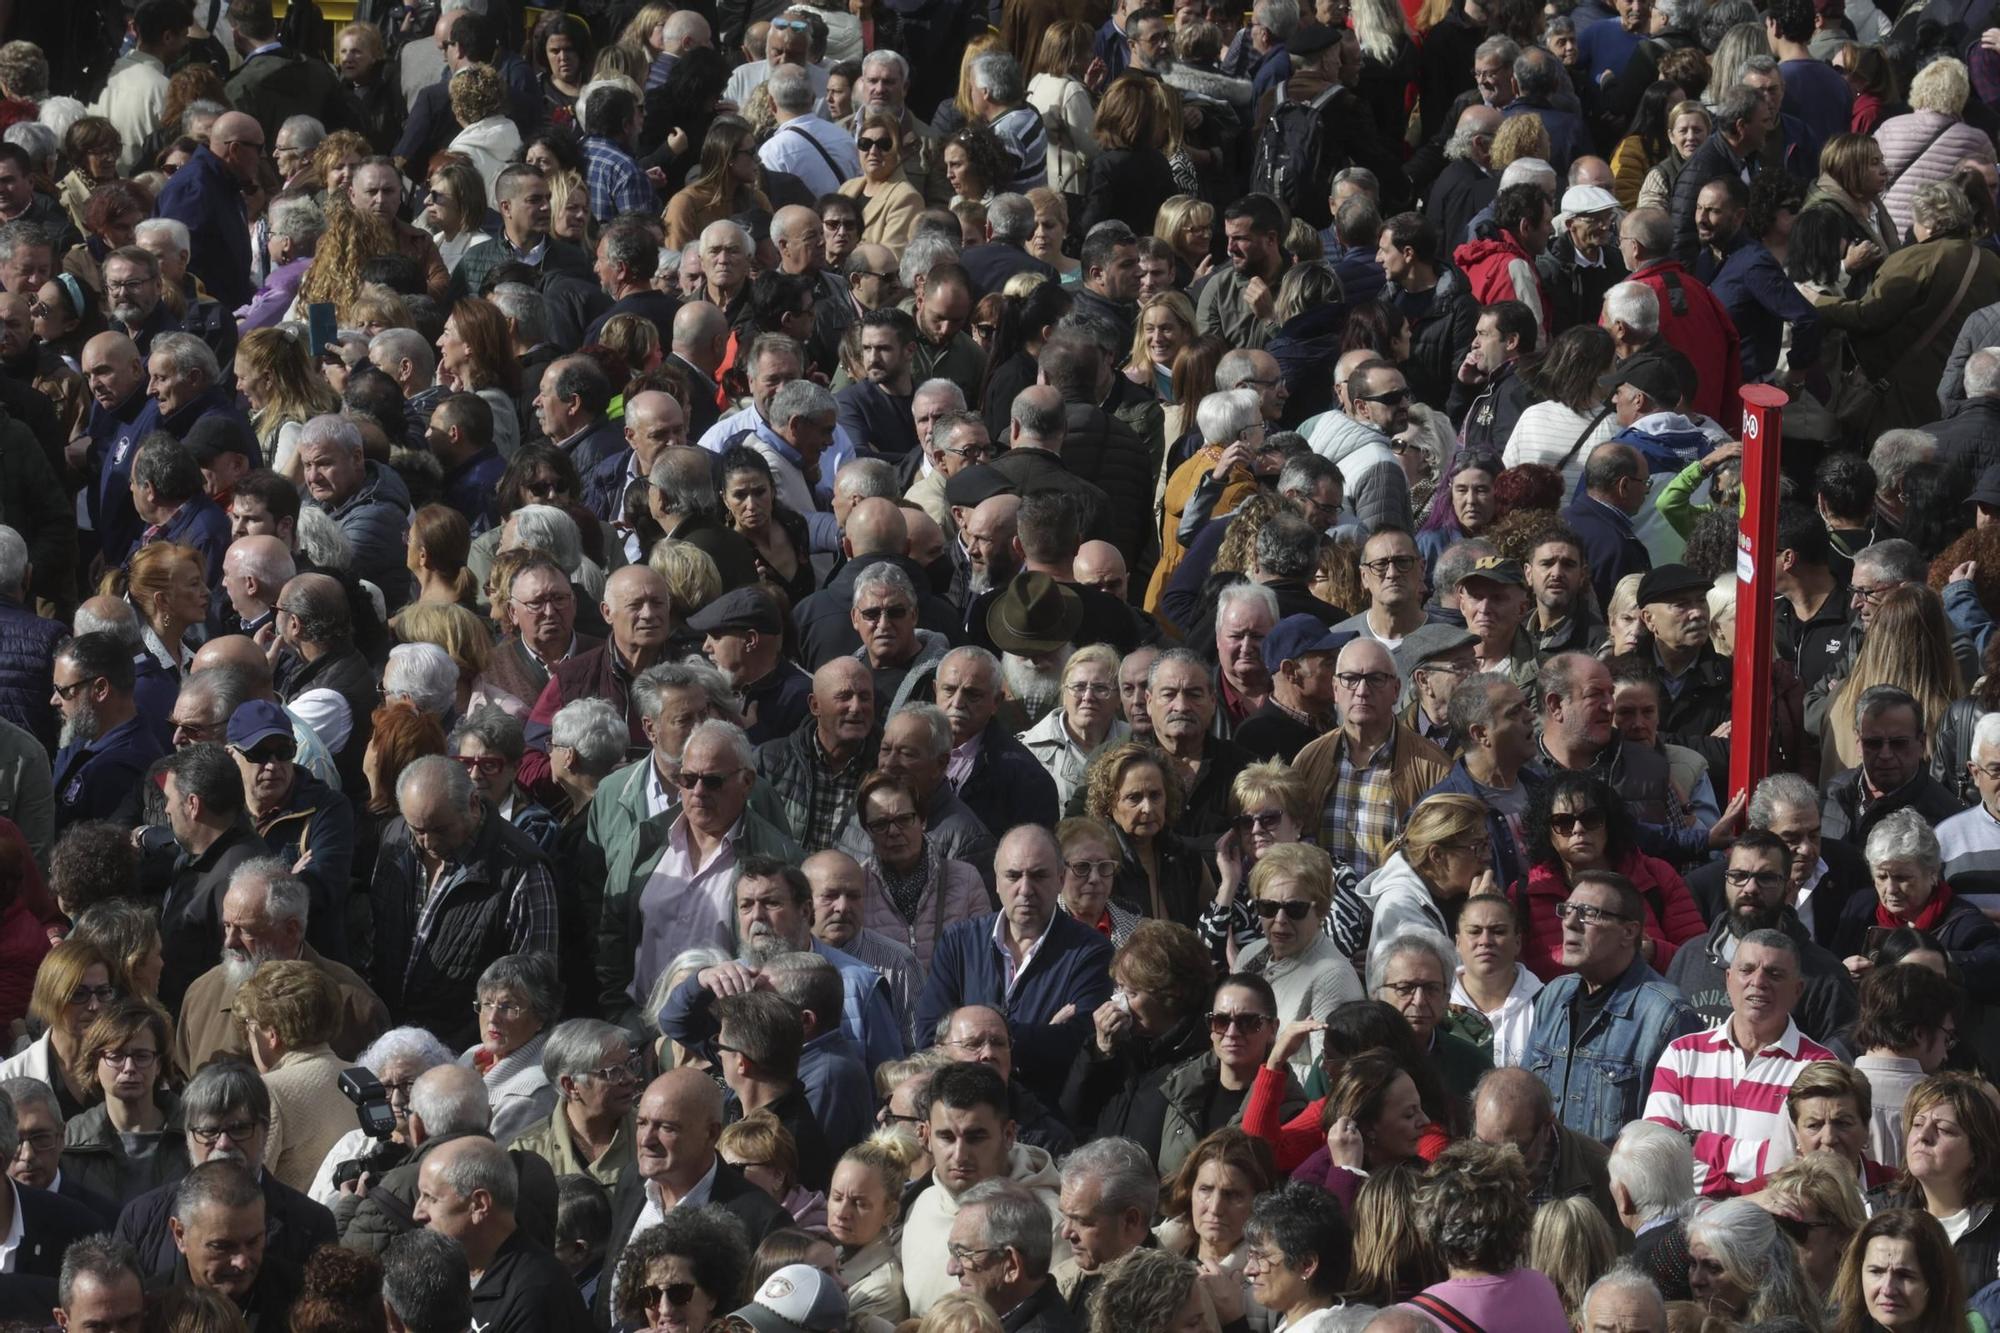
(1496, 268)
(1698, 326)
(1672, 919)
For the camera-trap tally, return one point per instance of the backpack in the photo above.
(1287, 163)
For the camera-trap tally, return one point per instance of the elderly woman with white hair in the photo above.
(423, 676)
(1928, 144)
(1744, 1270)
(395, 1058)
(519, 996)
(1905, 861)
(587, 740)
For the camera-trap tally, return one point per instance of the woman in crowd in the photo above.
(1208, 1198)
(1090, 854)
(863, 1204)
(691, 1267)
(1393, 1256)
(352, 237)
(1165, 328)
(1373, 1117)
(1188, 225)
(65, 318)
(459, 632)
(1492, 981)
(1688, 126)
(1476, 1209)
(456, 206)
(775, 533)
(1269, 807)
(1154, 1020)
(1899, 1275)
(1463, 507)
(1951, 1164)
(1051, 231)
(1443, 855)
(569, 210)
(1929, 142)
(1913, 653)
(131, 1140)
(1062, 57)
(1314, 321)
(768, 1156)
(1129, 177)
(109, 217)
(476, 355)
(76, 983)
(1298, 1256)
(1816, 1200)
(92, 148)
(1645, 143)
(440, 542)
(1741, 1267)
(726, 183)
(1829, 1109)
(914, 891)
(1070, 738)
(1151, 1289)
(1291, 891)
(1210, 1091)
(519, 997)
(890, 204)
(1575, 822)
(1877, 100)
(1621, 618)
(1571, 417)
(127, 929)
(1137, 793)
(289, 1012)
(488, 138)
(396, 1059)
(167, 584)
(334, 161)
(562, 53)
(1573, 1245)
(976, 163)
(1909, 1019)
(285, 390)
(1904, 859)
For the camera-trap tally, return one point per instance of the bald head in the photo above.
(842, 673)
(998, 511)
(678, 1121)
(877, 527)
(631, 583)
(874, 256)
(698, 325)
(1512, 1106)
(787, 221)
(450, 1099)
(1365, 655)
(926, 537)
(102, 612)
(234, 650)
(238, 140)
(113, 368)
(1101, 565)
(265, 559)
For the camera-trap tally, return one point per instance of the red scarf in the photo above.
(1927, 919)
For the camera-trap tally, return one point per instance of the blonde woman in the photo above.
(1621, 618)
(725, 183)
(692, 578)
(1165, 326)
(862, 1205)
(1688, 126)
(1737, 45)
(1908, 645)
(1853, 178)
(1931, 141)
(489, 139)
(954, 115)
(1084, 722)
(1058, 93)
(1188, 225)
(1443, 856)
(890, 205)
(275, 372)
(569, 209)
(636, 338)
(334, 161)
(462, 636)
(1051, 226)
(1573, 1245)
(1519, 137)
(352, 238)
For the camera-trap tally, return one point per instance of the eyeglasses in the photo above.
(41, 1140)
(1264, 821)
(874, 614)
(1294, 910)
(977, 453)
(1409, 990)
(40, 309)
(874, 143)
(83, 995)
(131, 285)
(887, 823)
(237, 1130)
(629, 1072)
(671, 1293)
(1587, 914)
(1870, 596)
(965, 1254)
(986, 330)
(871, 273)
(687, 781)
(1401, 564)
(1388, 398)
(998, 1042)
(1763, 879)
(500, 1009)
(1355, 681)
(1089, 870)
(131, 1059)
(1086, 689)
(1587, 820)
(70, 691)
(1873, 743)
(398, 1091)
(486, 765)
(1220, 1022)
(545, 606)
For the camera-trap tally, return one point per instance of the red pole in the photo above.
(1756, 557)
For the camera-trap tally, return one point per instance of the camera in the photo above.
(378, 1121)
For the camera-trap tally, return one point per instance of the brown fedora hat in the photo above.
(1033, 615)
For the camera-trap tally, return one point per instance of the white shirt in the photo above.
(1009, 969)
(1513, 1022)
(11, 1245)
(748, 78)
(791, 148)
(655, 1213)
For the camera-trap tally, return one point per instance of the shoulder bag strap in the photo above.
(819, 148)
(1957, 299)
(1445, 1313)
(1589, 426)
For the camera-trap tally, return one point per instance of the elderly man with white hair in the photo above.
(1624, 1300)
(423, 676)
(431, 942)
(788, 45)
(726, 251)
(1651, 1169)
(368, 500)
(1967, 437)
(1969, 843)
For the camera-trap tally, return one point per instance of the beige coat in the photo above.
(205, 1027)
(552, 1141)
(308, 1113)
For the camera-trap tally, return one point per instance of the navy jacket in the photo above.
(49, 1223)
(1761, 300)
(1008, 785)
(1072, 966)
(990, 265)
(656, 306)
(113, 437)
(878, 420)
(1609, 545)
(775, 705)
(294, 1226)
(1510, 865)
(96, 779)
(317, 819)
(27, 669)
(376, 522)
(1569, 137)
(199, 523)
(206, 197)
(472, 486)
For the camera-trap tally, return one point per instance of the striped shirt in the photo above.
(1735, 1105)
(1970, 845)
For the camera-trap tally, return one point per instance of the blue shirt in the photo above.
(616, 183)
(199, 523)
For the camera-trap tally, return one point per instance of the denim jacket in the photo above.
(1599, 1081)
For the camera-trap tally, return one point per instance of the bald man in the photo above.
(877, 532)
(1367, 775)
(207, 197)
(1048, 1006)
(700, 343)
(638, 609)
(654, 423)
(115, 374)
(675, 1129)
(254, 571)
(1513, 1106)
(817, 770)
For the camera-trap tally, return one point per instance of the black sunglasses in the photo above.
(1294, 910)
(674, 1293)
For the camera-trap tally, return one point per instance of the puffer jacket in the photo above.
(1106, 452)
(953, 893)
(1672, 919)
(1498, 268)
(376, 522)
(1439, 336)
(1377, 488)
(1182, 1094)
(27, 648)
(94, 1156)
(1920, 149)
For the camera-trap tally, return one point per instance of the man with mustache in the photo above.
(106, 746)
(264, 915)
(1181, 701)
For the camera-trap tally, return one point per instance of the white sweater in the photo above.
(928, 1227)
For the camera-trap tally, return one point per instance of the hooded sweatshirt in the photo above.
(1498, 268)
(1401, 901)
(928, 1227)
(1668, 441)
(1377, 489)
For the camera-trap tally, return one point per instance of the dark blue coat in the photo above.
(472, 488)
(154, 690)
(376, 522)
(1609, 545)
(27, 669)
(113, 436)
(1509, 865)
(990, 265)
(778, 703)
(1072, 966)
(95, 779)
(317, 819)
(604, 485)
(208, 199)
(294, 1226)
(49, 1223)
(1753, 287)
(199, 523)
(655, 306)
(879, 421)
(1008, 785)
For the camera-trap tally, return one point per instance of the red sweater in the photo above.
(1672, 919)
(1301, 1136)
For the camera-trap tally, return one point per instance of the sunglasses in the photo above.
(1388, 399)
(484, 764)
(687, 781)
(270, 754)
(672, 1293)
(874, 143)
(1587, 820)
(1219, 1022)
(872, 614)
(1294, 910)
(1264, 821)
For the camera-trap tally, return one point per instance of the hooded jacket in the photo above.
(1498, 268)
(1377, 488)
(928, 1226)
(1401, 900)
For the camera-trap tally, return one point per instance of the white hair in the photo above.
(1626, 1278)
(322, 540)
(1416, 939)
(1982, 373)
(13, 559)
(1257, 593)
(1223, 416)
(1655, 1166)
(791, 89)
(59, 113)
(1634, 305)
(173, 229)
(329, 428)
(1985, 736)
(552, 530)
(724, 227)
(424, 674)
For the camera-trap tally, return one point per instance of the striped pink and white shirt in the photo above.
(1735, 1105)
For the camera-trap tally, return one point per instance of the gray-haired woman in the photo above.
(1904, 859)
(518, 997)
(595, 1074)
(395, 1058)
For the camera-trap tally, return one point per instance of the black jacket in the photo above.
(1841, 815)
(1964, 932)
(1971, 435)
(1107, 453)
(385, 1212)
(1043, 1312)
(268, 1307)
(1440, 331)
(191, 914)
(1127, 185)
(990, 265)
(1008, 786)
(294, 1226)
(525, 1290)
(1846, 875)
(49, 1222)
(825, 620)
(1575, 289)
(1823, 1011)
(1103, 1090)
(730, 1192)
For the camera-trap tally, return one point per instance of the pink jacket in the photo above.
(955, 893)
(1920, 148)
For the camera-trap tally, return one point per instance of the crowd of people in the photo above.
(996, 668)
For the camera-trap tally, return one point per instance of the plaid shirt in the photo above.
(1360, 820)
(831, 799)
(616, 183)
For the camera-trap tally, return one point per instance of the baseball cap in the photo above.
(221, 433)
(1664, 581)
(1497, 569)
(796, 1299)
(745, 608)
(1650, 374)
(1295, 636)
(257, 721)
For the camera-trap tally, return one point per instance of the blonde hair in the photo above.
(622, 59)
(960, 1312)
(562, 185)
(149, 575)
(1572, 1244)
(1518, 137)
(1909, 646)
(634, 337)
(1437, 822)
(1095, 654)
(692, 578)
(61, 971)
(1388, 1243)
(297, 392)
(352, 238)
(377, 304)
(982, 44)
(1275, 781)
(1309, 869)
(448, 625)
(639, 31)
(889, 1156)
(1181, 308)
(1624, 597)
(759, 1139)
(295, 998)
(476, 93)
(1942, 86)
(1819, 1183)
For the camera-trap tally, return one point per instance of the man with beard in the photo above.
(264, 914)
(991, 533)
(135, 287)
(1757, 882)
(1034, 623)
(227, 1110)
(204, 804)
(878, 406)
(817, 770)
(1562, 620)
(1181, 702)
(839, 892)
(299, 817)
(992, 771)
(106, 747)
(743, 636)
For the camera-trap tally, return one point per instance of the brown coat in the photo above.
(418, 245)
(205, 1027)
(1415, 766)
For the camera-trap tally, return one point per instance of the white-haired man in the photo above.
(368, 500)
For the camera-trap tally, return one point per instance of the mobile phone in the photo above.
(321, 326)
